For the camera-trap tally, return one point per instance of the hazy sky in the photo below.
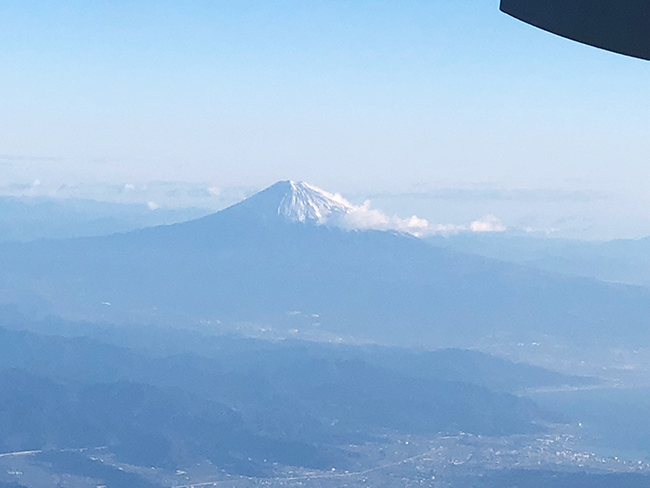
(383, 97)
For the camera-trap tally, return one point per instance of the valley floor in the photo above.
(441, 462)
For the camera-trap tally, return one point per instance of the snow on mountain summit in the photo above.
(297, 201)
(303, 202)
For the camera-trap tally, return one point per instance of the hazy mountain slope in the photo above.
(144, 425)
(26, 219)
(622, 260)
(129, 357)
(291, 404)
(249, 262)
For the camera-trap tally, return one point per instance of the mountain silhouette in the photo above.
(281, 253)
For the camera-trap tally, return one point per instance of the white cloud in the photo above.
(364, 217)
(489, 223)
(153, 205)
(448, 229)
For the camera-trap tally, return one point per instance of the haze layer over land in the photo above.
(298, 337)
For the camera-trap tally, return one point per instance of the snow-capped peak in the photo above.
(303, 202)
(297, 201)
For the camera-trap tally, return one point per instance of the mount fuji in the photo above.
(302, 202)
(293, 201)
(293, 249)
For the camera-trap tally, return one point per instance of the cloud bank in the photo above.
(364, 217)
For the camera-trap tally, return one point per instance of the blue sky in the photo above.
(368, 97)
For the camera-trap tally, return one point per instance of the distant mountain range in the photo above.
(244, 404)
(618, 261)
(289, 251)
(26, 219)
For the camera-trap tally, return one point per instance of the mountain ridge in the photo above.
(249, 263)
(292, 201)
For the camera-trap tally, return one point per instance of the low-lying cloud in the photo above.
(489, 223)
(364, 217)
